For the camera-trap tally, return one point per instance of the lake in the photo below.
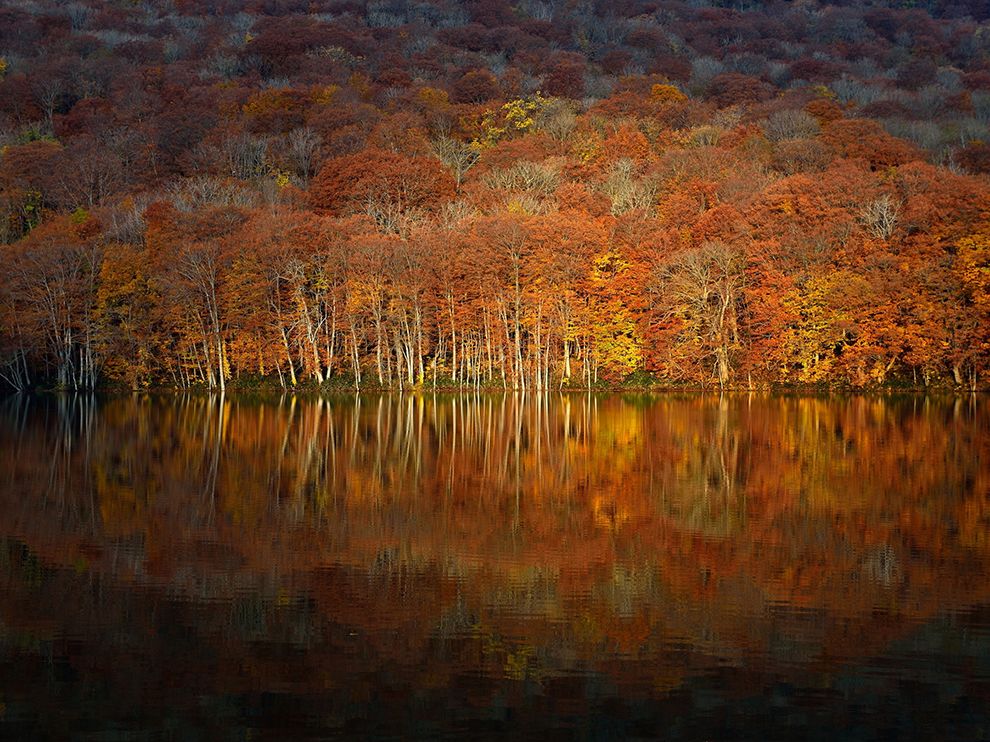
(691, 566)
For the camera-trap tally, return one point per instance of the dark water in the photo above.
(676, 567)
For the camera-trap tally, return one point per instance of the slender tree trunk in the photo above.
(288, 354)
(355, 358)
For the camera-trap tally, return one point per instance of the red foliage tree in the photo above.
(476, 86)
(866, 140)
(375, 181)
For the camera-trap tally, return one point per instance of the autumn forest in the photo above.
(534, 195)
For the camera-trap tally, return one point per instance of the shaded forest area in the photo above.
(530, 195)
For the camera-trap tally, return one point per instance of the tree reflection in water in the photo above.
(429, 563)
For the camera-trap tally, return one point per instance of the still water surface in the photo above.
(677, 567)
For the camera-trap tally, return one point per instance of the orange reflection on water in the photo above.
(506, 538)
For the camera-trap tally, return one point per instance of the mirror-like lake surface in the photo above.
(681, 567)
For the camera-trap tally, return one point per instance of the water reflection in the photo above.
(409, 564)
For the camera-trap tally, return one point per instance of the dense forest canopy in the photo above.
(529, 195)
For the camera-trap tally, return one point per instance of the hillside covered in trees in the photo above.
(537, 194)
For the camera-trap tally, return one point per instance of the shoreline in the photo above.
(337, 390)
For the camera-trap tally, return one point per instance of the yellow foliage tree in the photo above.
(662, 93)
(515, 117)
(616, 340)
(974, 267)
